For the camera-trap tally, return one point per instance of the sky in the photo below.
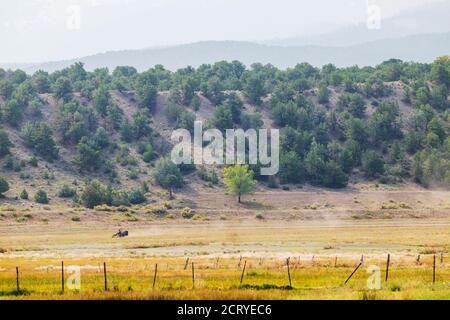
(48, 30)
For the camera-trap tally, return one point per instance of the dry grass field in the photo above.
(323, 233)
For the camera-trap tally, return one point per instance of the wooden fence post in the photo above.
(442, 257)
(154, 276)
(387, 266)
(186, 263)
(62, 276)
(193, 276)
(289, 272)
(17, 279)
(335, 261)
(104, 274)
(359, 265)
(243, 270)
(434, 269)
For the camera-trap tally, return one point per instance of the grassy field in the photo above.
(324, 242)
(263, 279)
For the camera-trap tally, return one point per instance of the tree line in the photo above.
(337, 124)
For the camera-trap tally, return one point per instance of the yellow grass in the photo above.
(340, 226)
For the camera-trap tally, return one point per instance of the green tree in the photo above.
(195, 103)
(146, 96)
(41, 82)
(5, 143)
(222, 118)
(323, 94)
(24, 195)
(101, 100)
(62, 88)
(136, 197)
(148, 154)
(187, 120)
(114, 115)
(254, 88)
(440, 71)
(6, 88)
(167, 175)
(436, 127)
(315, 162)
(41, 197)
(94, 194)
(251, 121)
(416, 168)
(239, 180)
(355, 130)
(353, 103)
(334, 176)
(384, 124)
(234, 103)
(141, 127)
(291, 168)
(87, 157)
(13, 112)
(39, 137)
(66, 192)
(188, 87)
(4, 186)
(373, 164)
(126, 131)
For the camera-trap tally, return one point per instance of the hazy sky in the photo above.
(45, 30)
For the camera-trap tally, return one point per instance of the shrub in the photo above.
(156, 210)
(136, 197)
(4, 185)
(41, 197)
(39, 137)
(33, 161)
(187, 213)
(24, 195)
(66, 192)
(5, 143)
(373, 164)
(259, 216)
(94, 194)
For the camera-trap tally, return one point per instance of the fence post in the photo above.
(154, 276)
(387, 266)
(335, 261)
(434, 269)
(359, 265)
(243, 270)
(289, 272)
(62, 276)
(239, 263)
(104, 274)
(186, 263)
(17, 279)
(442, 257)
(193, 276)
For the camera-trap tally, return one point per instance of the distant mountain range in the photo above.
(419, 48)
(424, 19)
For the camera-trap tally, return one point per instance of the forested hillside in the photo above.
(102, 137)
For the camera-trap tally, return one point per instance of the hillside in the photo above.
(387, 125)
(420, 48)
